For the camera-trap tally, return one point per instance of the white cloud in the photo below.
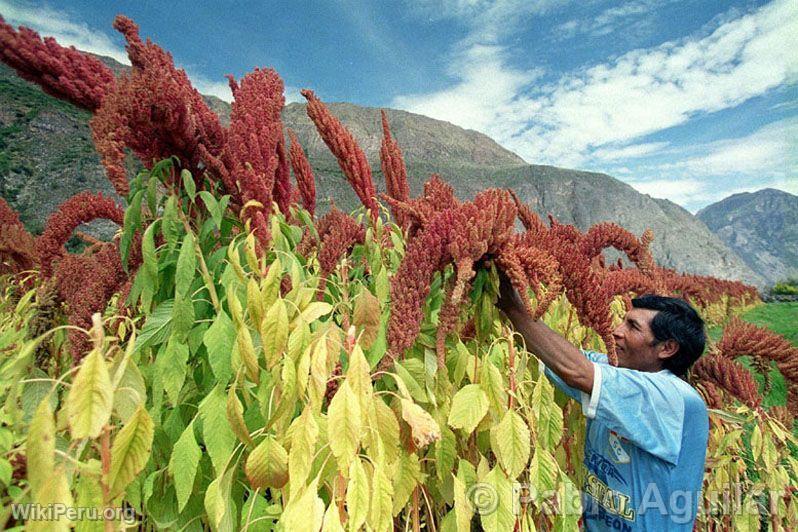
(488, 20)
(629, 15)
(628, 152)
(220, 89)
(769, 151)
(767, 157)
(54, 23)
(639, 93)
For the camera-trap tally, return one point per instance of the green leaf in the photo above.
(170, 225)
(407, 475)
(150, 259)
(131, 391)
(267, 465)
(91, 397)
(357, 495)
(157, 328)
(501, 518)
(183, 465)
(445, 453)
(186, 266)
(131, 224)
(130, 451)
(513, 443)
(235, 416)
(218, 503)
(493, 384)
(344, 425)
(188, 184)
(216, 433)
(218, 340)
(543, 471)
(172, 363)
(469, 406)
(387, 427)
(213, 207)
(549, 426)
(182, 317)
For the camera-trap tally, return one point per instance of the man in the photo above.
(647, 429)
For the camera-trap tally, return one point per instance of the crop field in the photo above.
(234, 360)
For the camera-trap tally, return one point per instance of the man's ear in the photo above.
(667, 349)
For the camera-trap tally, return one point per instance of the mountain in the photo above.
(761, 227)
(46, 155)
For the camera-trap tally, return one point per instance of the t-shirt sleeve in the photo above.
(570, 391)
(645, 408)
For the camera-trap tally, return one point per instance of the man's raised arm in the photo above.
(557, 353)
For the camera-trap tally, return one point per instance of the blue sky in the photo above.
(686, 100)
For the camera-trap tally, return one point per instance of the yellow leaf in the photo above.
(274, 332)
(512, 443)
(235, 416)
(366, 317)
(344, 424)
(40, 446)
(469, 406)
(357, 495)
(267, 465)
(91, 398)
(130, 451)
(270, 286)
(304, 434)
(381, 513)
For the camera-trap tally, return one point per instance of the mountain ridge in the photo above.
(761, 227)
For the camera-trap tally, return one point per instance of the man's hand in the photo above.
(509, 301)
(555, 351)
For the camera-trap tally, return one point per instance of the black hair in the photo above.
(676, 320)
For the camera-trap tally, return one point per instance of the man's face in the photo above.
(635, 343)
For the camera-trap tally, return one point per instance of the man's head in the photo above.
(660, 333)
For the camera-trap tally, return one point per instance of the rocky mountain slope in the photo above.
(761, 227)
(46, 155)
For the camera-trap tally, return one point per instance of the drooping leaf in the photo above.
(549, 426)
(172, 364)
(183, 465)
(130, 451)
(304, 434)
(469, 406)
(366, 318)
(305, 510)
(513, 443)
(235, 417)
(267, 465)
(274, 332)
(186, 266)
(91, 398)
(543, 471)
(381, 512)
(407, 475)
(344, 424)
(218, 340)
(216, 433)
(157, 327)
(40, 446)
(219, 504)
(357, 495)
(498, 514)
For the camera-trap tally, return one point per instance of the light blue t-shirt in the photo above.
(645, 448)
